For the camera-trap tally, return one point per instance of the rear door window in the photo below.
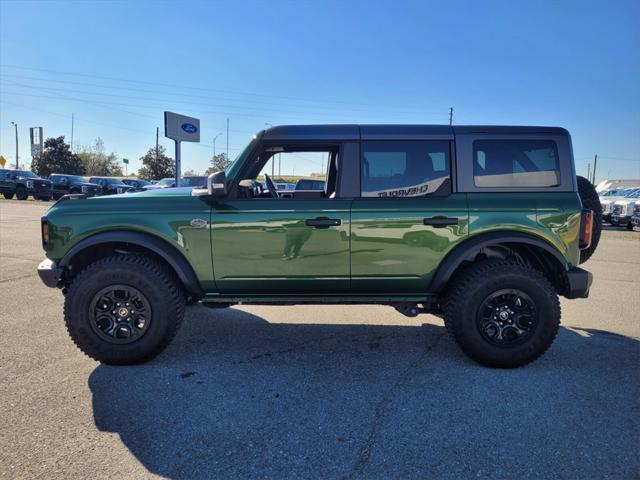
(515, 163)
(405, 169)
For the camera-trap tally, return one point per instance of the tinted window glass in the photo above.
(515, 163)
(405, 169)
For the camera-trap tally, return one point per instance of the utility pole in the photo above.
(72, 131)
(214, 143)
(157, 146)
(450, 115)
(227, 138)
(595, 164)
(16, 127)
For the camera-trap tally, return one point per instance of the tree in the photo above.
(190, 173)
(57, 158)
(98, 163)
(157, 165)
(218, 163)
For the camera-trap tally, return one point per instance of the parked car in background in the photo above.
(64, 184)
(198, 181)
(308, 184)
(164, 183)
(111, 185)
(137, 183)
(635, 217)
(22, 183)
(285, 187)
(623, 210)
(607, 200)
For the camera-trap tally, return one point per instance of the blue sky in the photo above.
(118, 65)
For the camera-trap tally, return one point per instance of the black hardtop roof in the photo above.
(389, 131)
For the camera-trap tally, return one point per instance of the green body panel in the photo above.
(264, 246)
(552, 217)
(391, 248)
(163, 214)
(261, 250)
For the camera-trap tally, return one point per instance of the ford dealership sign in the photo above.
(181, 128)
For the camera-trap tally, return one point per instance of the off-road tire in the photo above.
(590, 200)
(8, 195)
(468, 290)
(162, 289)
(44, 199)
(21, 193)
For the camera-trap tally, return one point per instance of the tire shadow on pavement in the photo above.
(235, 396)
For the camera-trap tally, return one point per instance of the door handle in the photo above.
(323, 222)
(440, 222)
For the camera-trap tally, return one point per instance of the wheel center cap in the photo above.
(504, 315)
(123, 312)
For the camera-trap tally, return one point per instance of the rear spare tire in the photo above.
(590, 200)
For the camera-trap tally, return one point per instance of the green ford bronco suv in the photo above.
(483, 226)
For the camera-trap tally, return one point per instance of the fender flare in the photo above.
(473, 245)
(160, 247)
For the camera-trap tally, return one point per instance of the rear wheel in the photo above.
(124, 309)
(502, 313)
(8, 195)
(590, 200)
(21, 193)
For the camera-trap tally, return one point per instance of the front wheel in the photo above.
(124, 309)
(8, 195)
(21, 193)
(502, 313)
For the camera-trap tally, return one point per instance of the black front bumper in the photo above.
(579, 282)
(50, 273)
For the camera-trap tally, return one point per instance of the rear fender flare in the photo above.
(471, 247)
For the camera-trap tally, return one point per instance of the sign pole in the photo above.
(177, 142)
(180, 128)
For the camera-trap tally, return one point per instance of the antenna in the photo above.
(450, 115)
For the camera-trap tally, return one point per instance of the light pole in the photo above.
(214, 144)
(16, 127)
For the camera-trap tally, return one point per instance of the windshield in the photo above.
(233, 169)
(75, 178)
(26, 173)
(115, 181)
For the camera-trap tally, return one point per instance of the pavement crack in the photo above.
(365, 451)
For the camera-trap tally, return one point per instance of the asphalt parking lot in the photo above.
(317, 392)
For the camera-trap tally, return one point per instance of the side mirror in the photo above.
(217, 184)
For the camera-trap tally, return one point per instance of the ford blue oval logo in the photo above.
(189, 128)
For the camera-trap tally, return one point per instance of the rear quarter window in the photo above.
(515, 163)
(405, 168)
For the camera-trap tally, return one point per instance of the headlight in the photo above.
(29, 183)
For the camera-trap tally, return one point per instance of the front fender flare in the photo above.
(160, 247)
